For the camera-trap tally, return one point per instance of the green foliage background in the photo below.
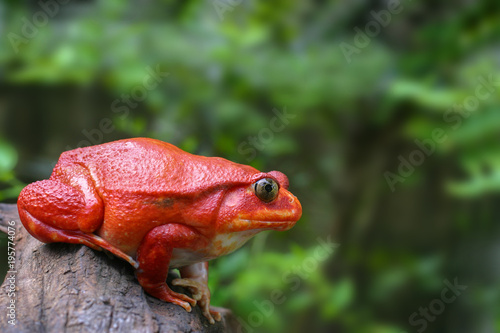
(232, 65)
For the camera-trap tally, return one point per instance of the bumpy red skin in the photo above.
(155, 206)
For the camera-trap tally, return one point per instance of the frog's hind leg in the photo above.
(49, 234)
(53, 211)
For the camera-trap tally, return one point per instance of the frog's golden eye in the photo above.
(266, 189)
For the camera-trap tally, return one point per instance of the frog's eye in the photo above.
(266, 189)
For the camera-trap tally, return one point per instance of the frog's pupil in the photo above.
(269, 187)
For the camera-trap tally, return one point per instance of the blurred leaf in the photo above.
(8, 157)
(423, 94)
(339, 298)
(483, 173)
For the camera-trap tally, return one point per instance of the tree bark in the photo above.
(72, 288)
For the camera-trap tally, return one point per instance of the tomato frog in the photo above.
(157, 207)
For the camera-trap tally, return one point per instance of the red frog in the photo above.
(158, 207)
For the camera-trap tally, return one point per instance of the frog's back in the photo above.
(148, 165)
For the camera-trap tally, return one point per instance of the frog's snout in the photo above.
(295, 207)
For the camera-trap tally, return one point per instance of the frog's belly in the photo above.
(220, 245)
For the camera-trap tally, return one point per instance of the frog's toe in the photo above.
(180, 299)
(185, 305)
(214, 314)
(201, 293)
(197, 289)
(166, 294)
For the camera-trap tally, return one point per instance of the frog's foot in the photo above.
(98, 241)
(166, 294)
(200, 293)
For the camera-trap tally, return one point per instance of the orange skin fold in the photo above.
(157, 207)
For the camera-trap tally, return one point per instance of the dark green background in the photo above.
(391, 143)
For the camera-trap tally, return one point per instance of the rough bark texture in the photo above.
(71, 288)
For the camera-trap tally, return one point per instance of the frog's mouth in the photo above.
(282, 225)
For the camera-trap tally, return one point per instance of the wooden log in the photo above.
(72, 288)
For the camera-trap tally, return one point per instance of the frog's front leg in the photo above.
(154, 256)
(195, 278)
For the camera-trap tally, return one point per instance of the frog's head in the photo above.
(262, 204)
